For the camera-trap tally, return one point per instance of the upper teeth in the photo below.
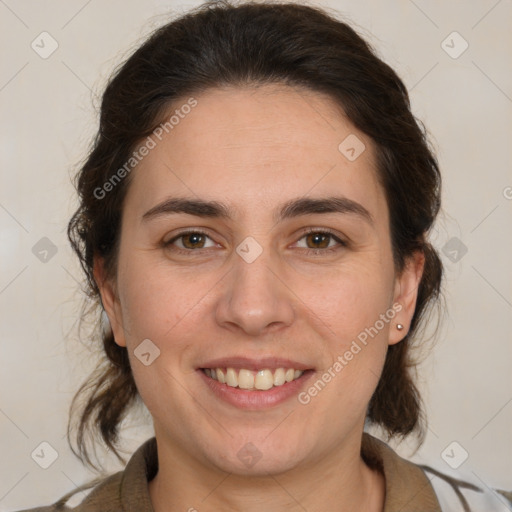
(247, 379)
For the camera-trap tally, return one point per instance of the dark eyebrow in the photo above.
(308, 206)
(197, 207)
(290, 209)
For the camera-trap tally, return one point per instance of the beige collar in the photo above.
(408, 489)
(407, 486)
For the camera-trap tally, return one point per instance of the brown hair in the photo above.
(225, 44)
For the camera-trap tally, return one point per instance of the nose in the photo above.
(255, 297)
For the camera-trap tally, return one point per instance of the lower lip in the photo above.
(257, 399)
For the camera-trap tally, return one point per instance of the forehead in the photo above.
(256, 146)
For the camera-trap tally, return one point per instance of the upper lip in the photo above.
(270, 363)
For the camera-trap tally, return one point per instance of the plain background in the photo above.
(48, 117)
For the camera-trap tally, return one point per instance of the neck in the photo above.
(340, 481)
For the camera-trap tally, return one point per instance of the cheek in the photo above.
(355, 349)
(155, 301)
(158, 311)
(350, 299)
(350, 308)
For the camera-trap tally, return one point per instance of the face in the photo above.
(283, 284)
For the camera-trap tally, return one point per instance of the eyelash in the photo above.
(308, 231)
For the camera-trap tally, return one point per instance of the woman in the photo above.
(253, 222)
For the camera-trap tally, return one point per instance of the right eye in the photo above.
(188, 241)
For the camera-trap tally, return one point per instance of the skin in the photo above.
(255, 148)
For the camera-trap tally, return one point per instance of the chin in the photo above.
(248, 458)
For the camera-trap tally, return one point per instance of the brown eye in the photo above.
(193, 240)
(188, 241)
(319, 240)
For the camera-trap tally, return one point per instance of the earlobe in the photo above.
(406, 294)
(109, 301)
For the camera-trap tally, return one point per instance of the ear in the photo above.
(405, 294)
(110, 301)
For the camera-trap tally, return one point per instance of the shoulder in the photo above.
(466, 493)
(100, 494)
(127, 489)
(418, 487)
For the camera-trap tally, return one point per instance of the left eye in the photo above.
(322, 240)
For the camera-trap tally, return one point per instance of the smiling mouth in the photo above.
(261, 380)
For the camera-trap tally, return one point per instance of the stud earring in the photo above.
(399, 327)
